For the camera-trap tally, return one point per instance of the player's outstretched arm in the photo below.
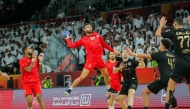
(105, 45)
(4, 75)
(73, 45)
(118, 67)
(138, 55)
(159, 30)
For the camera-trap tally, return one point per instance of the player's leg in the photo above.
(180, 72)
(123, 95)
(146, 98)
(28, 94)
(131, 92)
(29, 101)
(187, 77)
(102, 67)
(38, 94)
(110, 101)
(122, 102)
(106, 76)
(40, 101)
(83, 75)
(153, 87)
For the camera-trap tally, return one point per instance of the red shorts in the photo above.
(116, 87)
(90, 65)
(34, 88)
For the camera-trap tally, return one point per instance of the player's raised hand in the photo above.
(163, 21)
(188, 20)
(34, 55)
(116, 53)
(40, 58)
(67, 37)
(5, 75)
(121, 66)
(129, 52)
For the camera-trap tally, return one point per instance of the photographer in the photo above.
(47, 82)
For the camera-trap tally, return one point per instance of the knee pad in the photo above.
(174, 102)
(79, 79)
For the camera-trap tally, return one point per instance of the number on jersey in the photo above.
(183, 39)
(171, 62)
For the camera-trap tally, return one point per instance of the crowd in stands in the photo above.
(124, 31)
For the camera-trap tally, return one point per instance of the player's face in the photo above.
(112, 56)
(29, 51)
(88, 29)
(125, 54)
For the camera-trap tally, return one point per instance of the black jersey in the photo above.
(129, 70)
(181, 43)
(165, 64)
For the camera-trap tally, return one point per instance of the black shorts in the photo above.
(132, 84)
(156, 86)
(181, 70)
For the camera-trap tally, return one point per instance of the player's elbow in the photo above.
(27, 70)
(158, 34)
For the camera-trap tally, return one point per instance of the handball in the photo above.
(65, 33)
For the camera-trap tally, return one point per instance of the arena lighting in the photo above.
(10, 83)
(59, 80)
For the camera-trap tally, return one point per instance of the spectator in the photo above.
(47, 82)
(9, 63)
(14, 71)
(152, 63)
(61, 15)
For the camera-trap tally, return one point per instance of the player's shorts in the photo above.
(91, 64)
(131, 84)
(116, 87)
(156, 86)
(34, 88)
(181, 70)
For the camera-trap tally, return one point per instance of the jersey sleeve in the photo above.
(117, 65)
(75, 44)
(23, 64)
(105, 45)
(156, 56)
(167, 35)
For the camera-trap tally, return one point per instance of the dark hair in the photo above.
(85, 25)
(24, 48)
(178, 20)
(166, 42)
(153, 49)
(139, 44)
(98, 71)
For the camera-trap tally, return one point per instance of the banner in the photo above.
(58, 56)
(95, 97)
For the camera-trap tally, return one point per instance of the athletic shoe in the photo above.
(67, 92)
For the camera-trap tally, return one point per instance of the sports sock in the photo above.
(108, 86)
(29, 108)
(71, 88)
